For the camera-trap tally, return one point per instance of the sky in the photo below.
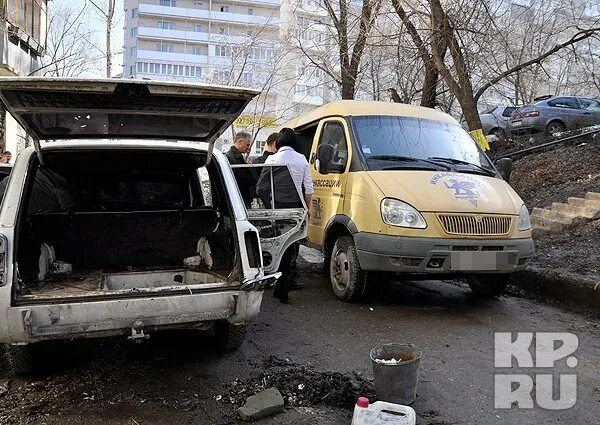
(98, 26)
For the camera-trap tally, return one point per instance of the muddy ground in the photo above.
(556, 175)
(317, 341)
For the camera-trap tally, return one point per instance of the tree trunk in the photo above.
(109, 24)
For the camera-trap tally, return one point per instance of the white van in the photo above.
(122, 220)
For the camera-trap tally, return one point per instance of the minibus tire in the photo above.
(230, 337)
(488, 285)
(344, 252)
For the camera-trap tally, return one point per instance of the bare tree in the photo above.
(70, 45)
(108, 13)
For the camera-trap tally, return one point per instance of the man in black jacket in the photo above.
(269, 149)
(246, 178)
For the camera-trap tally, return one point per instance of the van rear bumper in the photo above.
(435, 255)
(39, 322)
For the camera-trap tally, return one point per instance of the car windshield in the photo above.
(393, 138)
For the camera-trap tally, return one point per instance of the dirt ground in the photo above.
(576, 251)
(316, 351)
(556, 175)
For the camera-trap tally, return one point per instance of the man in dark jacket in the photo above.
(246, 178)
(269, 149)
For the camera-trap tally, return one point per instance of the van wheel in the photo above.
(20, 359)
(488, 285)
(348, 280)
(230, 337)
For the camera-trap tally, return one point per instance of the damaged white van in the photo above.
(122, 220)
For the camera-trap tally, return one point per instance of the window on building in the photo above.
(167, 3)
(151, 70)
(221, 50)
(197, 50)
(225, 9)
(198, 71)
(145, 67)
(198, 28)
(133, 51)
(199, 5)
(162, 47)
(250, 11)
(166, 25)
(139, 67)
(134, 12)
(131, 70)
(169, 69)
(163, 68)
(134, 32)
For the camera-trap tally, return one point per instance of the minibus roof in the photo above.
(348, 108)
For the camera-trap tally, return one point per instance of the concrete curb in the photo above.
(563, 287)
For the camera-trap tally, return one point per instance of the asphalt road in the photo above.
(180, 378)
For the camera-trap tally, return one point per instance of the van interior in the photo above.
(103, 222)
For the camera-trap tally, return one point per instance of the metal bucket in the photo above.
(396, 382)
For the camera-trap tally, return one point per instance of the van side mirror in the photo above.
(505, 166)
(324, 157)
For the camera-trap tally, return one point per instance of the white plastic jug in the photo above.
(382, 413)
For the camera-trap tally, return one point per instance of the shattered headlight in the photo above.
(524, 221)
(398, 213)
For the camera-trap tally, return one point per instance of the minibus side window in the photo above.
(333, 135)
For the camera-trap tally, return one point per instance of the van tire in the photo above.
(348, 280)
(488, 285)
(19, 358)
(230, 337)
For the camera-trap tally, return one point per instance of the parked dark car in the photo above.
(553, 114)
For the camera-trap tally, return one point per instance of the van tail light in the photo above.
(3, 244)
(253, 249)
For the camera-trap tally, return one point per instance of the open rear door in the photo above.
(275, 206)
(61, 108)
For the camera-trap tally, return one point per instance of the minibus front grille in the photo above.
(475, 225)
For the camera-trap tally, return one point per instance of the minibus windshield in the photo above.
(403, 142)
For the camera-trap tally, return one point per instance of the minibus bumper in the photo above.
(386, 253)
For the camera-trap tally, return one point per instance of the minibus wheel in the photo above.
(488, 285)
(348, 280)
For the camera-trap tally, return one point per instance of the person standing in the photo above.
(246, 178)
(6, 157)
(287, 154)
(269, 149)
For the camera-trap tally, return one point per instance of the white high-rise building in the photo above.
(243, 43)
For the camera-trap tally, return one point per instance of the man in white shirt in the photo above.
(300, 171)
(297, 163)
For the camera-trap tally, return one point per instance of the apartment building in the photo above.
(22, 44)
(232, 42)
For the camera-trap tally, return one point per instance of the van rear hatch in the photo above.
(60, 108)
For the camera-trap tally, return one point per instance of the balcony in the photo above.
(182, 12)
(172, 57)
(159, 33)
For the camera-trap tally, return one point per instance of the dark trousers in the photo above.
(282, 287)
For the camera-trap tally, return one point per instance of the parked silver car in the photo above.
(552, 114)
(494, 121)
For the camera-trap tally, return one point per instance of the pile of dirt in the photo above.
(301, 385)
(554, 176)
(573, 252)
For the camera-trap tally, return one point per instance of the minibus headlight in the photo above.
(524, 221)
(398, 213)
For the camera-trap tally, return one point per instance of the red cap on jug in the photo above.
(362, 402)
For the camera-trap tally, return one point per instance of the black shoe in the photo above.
(284, 300)
(295, 286)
